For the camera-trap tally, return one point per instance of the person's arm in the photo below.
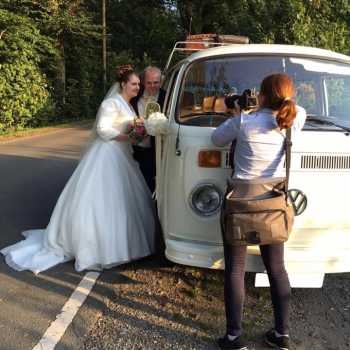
(126, 138)
(299, 120)
(110, 110)
(226, 132)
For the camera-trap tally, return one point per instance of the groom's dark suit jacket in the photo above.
(161, 98)
(147, 156)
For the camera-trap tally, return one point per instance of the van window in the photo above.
(171, 82)
(304, 95)
(338, 90)
(321, 86)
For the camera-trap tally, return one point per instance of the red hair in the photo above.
(275, 89)
(124, 73)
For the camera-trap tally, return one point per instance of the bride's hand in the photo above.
(133, 141)
(126, 138)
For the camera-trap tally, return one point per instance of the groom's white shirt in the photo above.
(141, 105)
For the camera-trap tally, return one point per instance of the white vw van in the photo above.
(192, 172)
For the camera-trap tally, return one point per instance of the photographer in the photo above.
(259, 153)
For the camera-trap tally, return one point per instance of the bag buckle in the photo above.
(255, 237)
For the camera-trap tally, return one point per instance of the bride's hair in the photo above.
(124, 73)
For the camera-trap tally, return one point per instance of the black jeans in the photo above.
(235, 265)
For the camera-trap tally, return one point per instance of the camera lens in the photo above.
(230, 100)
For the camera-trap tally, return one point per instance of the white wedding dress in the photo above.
(105, 215)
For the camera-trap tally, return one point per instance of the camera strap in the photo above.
(288, 146)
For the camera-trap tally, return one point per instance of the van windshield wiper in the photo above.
(208, 114)
(326, 122)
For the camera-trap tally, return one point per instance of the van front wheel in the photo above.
(159, 247)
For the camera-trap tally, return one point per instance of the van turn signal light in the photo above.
(209, 159)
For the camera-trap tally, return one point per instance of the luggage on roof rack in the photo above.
(206, 41)
(200, 42)
(232, 39)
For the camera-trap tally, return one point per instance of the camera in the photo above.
(248, 100)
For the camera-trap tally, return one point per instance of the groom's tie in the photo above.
(148, 97)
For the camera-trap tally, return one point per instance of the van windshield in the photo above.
(322, 87)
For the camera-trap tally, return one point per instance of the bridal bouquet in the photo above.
(156, 124)
(136, 129)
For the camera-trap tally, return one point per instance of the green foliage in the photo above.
(142, 32)
(51, 50)
(23, 88)
(52, 38)
(323, 24)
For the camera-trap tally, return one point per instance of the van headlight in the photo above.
(205, 199)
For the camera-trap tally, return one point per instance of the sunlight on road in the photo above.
(63, 144)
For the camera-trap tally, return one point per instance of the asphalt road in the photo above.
(33, 172)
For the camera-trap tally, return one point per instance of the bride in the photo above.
(105, 215)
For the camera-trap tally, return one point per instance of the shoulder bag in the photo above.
(256, 211)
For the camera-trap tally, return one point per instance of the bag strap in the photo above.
(288, 147)
(231, 158)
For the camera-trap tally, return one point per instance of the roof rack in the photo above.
(195, 43)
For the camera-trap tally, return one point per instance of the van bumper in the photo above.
(297, 259)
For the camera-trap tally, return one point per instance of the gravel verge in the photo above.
(182, 308)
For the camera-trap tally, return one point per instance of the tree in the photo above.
(141, 33)
(23, 93)
(72, 76)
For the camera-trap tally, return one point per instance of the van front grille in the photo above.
(325, 162)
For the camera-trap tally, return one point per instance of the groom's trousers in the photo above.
(146, 157)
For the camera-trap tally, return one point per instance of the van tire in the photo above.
(159, 247)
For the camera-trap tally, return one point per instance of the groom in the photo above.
(145, 152)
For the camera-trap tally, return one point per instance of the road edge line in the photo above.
(58, 327)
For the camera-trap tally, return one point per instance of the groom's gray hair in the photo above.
(151, 68)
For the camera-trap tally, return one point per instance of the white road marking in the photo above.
(58, 327)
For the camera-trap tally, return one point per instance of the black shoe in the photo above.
(226, 344)
(281, 343)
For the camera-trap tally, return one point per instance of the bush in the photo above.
(23, 92)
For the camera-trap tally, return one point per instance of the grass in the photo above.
(214, 285)
(297, 341)
(205, 327)
(218, 314)
(178, 317)
(196, 292)
(263, 293)
(204, 282)
(246, 324)
(250, 337)
(212, 298)
(8, 135)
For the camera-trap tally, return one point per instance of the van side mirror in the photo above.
(152, 107)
